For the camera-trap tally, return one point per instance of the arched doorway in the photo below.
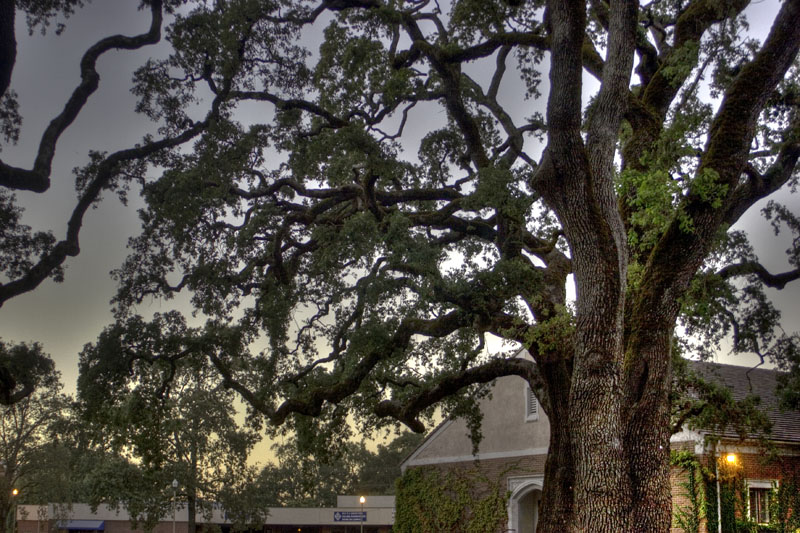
(523, 504)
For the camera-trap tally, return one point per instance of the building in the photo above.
(516, 435)
(346, 517)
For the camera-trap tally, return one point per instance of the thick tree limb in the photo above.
(776, 281)
(407, 410)
(69, 246)
(293, 103)
(679, 252)
(312, 401)
(733, 128)
(38, 178)
(693, 22)
(758, 186)
(609, 107)
(489, 46)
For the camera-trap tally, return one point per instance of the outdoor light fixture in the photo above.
(174, 501)
(362, 500)
(731, 460)
(12, 513)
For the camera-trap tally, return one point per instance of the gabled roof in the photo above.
(744, 381)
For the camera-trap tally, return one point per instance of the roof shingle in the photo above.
(761, 382)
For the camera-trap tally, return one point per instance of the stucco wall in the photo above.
(505, 431)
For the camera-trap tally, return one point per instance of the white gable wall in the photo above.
(506, 433)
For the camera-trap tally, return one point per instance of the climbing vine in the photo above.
(690, 516)
(457, 501)
(699, 489)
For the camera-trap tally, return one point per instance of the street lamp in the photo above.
(731, 459)
(11, 520)
(362, 500)
(174, 501)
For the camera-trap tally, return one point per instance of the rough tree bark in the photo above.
(577, 182)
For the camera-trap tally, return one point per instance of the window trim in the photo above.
(759, 484)
(531, 415)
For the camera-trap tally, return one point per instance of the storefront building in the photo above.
(349, 516)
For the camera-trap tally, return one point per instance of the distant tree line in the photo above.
(123, 441)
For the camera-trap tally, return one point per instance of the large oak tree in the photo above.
(384, 184)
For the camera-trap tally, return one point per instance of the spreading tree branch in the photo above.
(38, 178)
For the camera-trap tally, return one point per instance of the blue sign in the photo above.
(350, 516)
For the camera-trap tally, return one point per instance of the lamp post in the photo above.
(731, 459)
(12, 524)
(363, 500)
(174, 501)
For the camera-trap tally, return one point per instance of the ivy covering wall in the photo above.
(700, 501)
(458, 501)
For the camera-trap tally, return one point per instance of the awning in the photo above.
(82, 525)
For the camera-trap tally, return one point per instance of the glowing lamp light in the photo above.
(362, 500)
(14, 492)
(731, 458)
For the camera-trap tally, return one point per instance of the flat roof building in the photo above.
(377, 516)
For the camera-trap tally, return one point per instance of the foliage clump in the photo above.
(459, 501)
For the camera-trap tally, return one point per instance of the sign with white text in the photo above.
(350, 516)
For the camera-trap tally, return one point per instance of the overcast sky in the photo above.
(65, 316)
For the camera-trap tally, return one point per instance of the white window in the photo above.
(531, 405)
(759, 493)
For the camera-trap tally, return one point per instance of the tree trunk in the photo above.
(602, 486)
(649, 378)
(555, 513)
(648, 507)
(576, 181)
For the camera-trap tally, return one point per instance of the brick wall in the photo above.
(677, 477)
(750, 464)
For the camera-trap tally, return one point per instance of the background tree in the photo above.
(30, 256)
(313, 478)
(381, 470)
(169, 413)
(379, 206)
(46, 450)
(304, 479)
(27, 428)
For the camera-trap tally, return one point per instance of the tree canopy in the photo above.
(303, 478)
(28, 427)
(171, 417)
(377, 187)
